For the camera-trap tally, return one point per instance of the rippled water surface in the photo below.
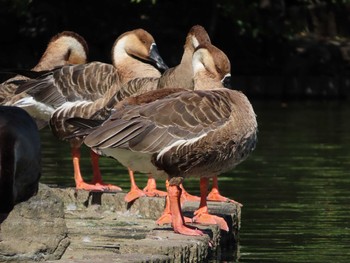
(295, 187)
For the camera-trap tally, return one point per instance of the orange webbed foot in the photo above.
(187, 230)
(151, 188)
(189, 197)
(90, 187)
(133, 195)
(155, 192)
(203, 217)
(177, 219)
(216, 196)
(110, 187)
(165, 218)
(185, 196)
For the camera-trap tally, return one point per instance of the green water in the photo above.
(295, 187)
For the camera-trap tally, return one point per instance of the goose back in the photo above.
(71, 83)
(182, 134)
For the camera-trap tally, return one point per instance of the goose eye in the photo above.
(218, 69)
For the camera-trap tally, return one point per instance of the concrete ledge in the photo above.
(130, 229)
(102, 227)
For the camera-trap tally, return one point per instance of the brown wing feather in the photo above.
(162, 122)
(70, 83)
(113, 133)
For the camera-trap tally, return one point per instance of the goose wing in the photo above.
(182, 117)
(71, 83)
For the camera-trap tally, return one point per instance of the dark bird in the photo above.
(20, 157)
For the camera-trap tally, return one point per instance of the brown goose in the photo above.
(20, 157)
(80, 90)
(199, 133)
(211, 69)
(177, 133)
(64, 48)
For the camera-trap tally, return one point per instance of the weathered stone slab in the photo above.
(102, 227)
(177, 247)
(120, 258)
(35, 229)
(148, 207)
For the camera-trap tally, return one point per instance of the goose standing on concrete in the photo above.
(79, 91)
(178, 76)
(65, 48)
(212, 69)
(177, 133)
(20, 157)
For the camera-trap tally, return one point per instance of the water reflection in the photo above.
(294, 187)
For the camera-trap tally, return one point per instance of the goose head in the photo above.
(196, 36)
(211, 67)
(140, 45)
(64, 48)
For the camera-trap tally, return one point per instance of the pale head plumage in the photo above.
(196, 36)
(137, 46)
(135, 43)
(211, 66)
(64, 48)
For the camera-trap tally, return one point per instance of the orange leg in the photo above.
(165, 218)
(202, 215)
(79, 182)
(177, 219)
(97, 178)
(185, 196)
(215, 195)
(151, 188)
(134, 192)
